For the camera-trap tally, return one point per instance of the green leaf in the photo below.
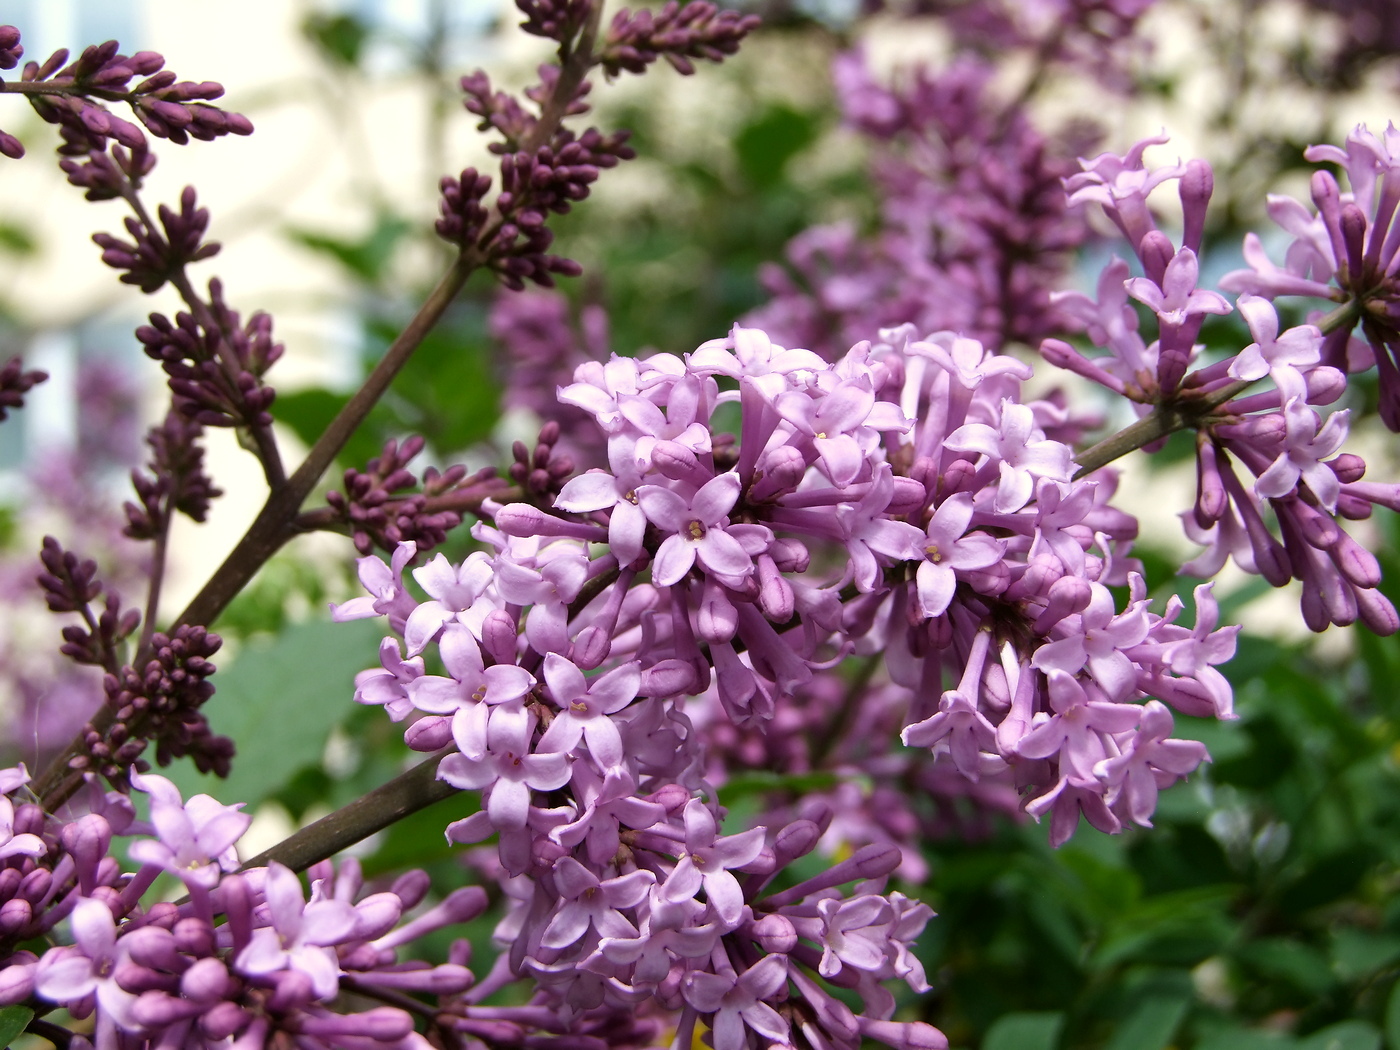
(1345, 1035)
(339, 38)
(1302, 966)
(761, 781)
(278, 701)
(1151, 1026)
(765, 145)
(1392, 1018)
(1246, 1039)
(13, 1020)
(1357, 953)
(366, 258)
(1028, 1031)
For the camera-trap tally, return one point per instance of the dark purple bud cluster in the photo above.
(106, 175)
(215, 371)
(503, 113)
(540, 472)
(533, 186)
(554, 19)
(71, 585)
(177, 481)
(463, 215)
(677, 33)
(11, 50)
(377, 517)
(15, 382)
(152, 259)
(168, 108)
(160, 702)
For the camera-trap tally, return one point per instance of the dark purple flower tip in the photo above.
(11, 50)
(11, 146)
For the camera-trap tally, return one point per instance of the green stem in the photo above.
(1190, 411)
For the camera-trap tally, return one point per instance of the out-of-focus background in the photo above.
(1262, 910)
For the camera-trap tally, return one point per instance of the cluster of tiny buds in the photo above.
(377, 517)
(213, 388)
(15, 382)
(554, 19)
(71, 585)
(677, 33)
(540, 473)
(150, 259)
(177, 481)
(160, 702)
(167, 107)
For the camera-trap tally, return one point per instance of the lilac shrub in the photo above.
(747, 556)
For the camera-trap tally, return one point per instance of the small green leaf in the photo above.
(13, 1020)
(1392, 1018)
(1345, 1035)
(1029, 1031)
(765, 146)
(761, 781)
(1151, 1026)
(278, 701)
(339, 38)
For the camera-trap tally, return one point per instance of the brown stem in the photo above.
(153, 588)
(406, 793)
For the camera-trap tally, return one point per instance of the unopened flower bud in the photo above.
(429, 734)
(775, 934)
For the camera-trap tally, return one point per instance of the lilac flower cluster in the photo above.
(245, 959)
(1346, 251)
(1276, 435)
(975, 232)
(176, 482)
(151, 259)
(903, 500)
(215, 362)
(699, 29)
(72, 98)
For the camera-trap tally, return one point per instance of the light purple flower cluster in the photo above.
(903, 500)
(243, 957)
(1276, 435)
(973, 219)
(1348, 251)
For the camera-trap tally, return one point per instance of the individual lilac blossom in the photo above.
(584, 708)
(587, 901)
(1297, 348)
(1306, 445)
(1098, 640)
(1020, 450)
(195, 838)
(1148, 762)
(738, 1001)
(452, 596)
(1076, 730)
(1121, 185)
(706, 862)
(698, 530)
(469, 682)
(949, 547)
(1177, 299)
(854, 933)
(300, 935)
(387, 685)
(506, 766)
(89, 968)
